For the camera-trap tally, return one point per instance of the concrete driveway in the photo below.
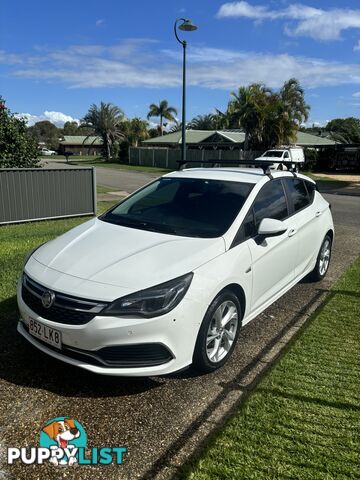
(162, 421)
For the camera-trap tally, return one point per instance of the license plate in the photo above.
(45, 333)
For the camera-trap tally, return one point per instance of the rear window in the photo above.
(273, 153)
(298, 193)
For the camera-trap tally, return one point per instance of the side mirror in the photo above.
(270, 227)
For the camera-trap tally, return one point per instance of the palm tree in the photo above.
(210, 121)
(294, 110)
(220, 119)
(292, 96)
(177, 127)
(163, 111)
(105, 121)
(268, 118)
(247, 110)
(135, 130)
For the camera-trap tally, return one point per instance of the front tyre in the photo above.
(218, 332)
(323, 260)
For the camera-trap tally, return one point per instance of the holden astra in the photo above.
(169, 276)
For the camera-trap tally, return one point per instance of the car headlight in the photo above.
(28, 255)
(153, 301)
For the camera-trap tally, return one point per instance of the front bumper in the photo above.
(176, 331)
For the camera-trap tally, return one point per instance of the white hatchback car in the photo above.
(167, 277)
(46, 151)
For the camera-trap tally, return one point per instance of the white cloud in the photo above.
(308, 21)
(57, 118)
(315, 123)
(99, 22)
(357, 46)
(206, 54)
(243, 9)
(356, 94)
(131, 64)
(10, 58)
(266, 68)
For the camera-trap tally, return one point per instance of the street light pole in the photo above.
(186, 26)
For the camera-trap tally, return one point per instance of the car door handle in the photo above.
(292, 232)
(318, 213)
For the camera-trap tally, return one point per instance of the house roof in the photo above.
(196, 136)
(200, 136)
(81, 140)
(306, 139)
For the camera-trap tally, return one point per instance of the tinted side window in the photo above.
(270, 202)
(311, 187)
(247, 229)
(248, 225)
(298, 193)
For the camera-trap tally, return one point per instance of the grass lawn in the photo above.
(17, 240)
(326, 183)
(303, 419)
(103, 189)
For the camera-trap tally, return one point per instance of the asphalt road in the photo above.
(162, 421)
(123, 180)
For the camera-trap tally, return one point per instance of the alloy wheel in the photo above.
(222, 331)
(324, 258)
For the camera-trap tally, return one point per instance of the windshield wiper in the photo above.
(159, 227)
(153, 227)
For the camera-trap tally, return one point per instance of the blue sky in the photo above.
(61, 58)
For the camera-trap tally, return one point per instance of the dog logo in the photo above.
(63, 443)
(48, 298)
(63, 436)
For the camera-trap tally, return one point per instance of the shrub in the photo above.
(17, 148)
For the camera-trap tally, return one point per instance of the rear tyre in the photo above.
(323, 260)
(218, 333)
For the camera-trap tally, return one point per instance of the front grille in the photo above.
(146, 354)
(119, 356)
(65, 309)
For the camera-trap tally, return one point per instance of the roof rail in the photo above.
(263, 164)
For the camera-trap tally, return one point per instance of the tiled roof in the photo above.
(81, 140)
(198, 136)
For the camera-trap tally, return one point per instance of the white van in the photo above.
(284, 154)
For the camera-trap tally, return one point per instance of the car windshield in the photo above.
(273, 153)
(182, 206)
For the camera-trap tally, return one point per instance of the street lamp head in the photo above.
(187, 26)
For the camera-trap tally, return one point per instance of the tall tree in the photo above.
(70, 128)
(138, 131)
(135, 131)
(105, 122)
(17, 147)
(344, 130)
(47, 132)
(163, 110)
(247, 110)
(210, 121)
(268, 118)
(293, 110)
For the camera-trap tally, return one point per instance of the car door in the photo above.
(273, 258)
(305, 217)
